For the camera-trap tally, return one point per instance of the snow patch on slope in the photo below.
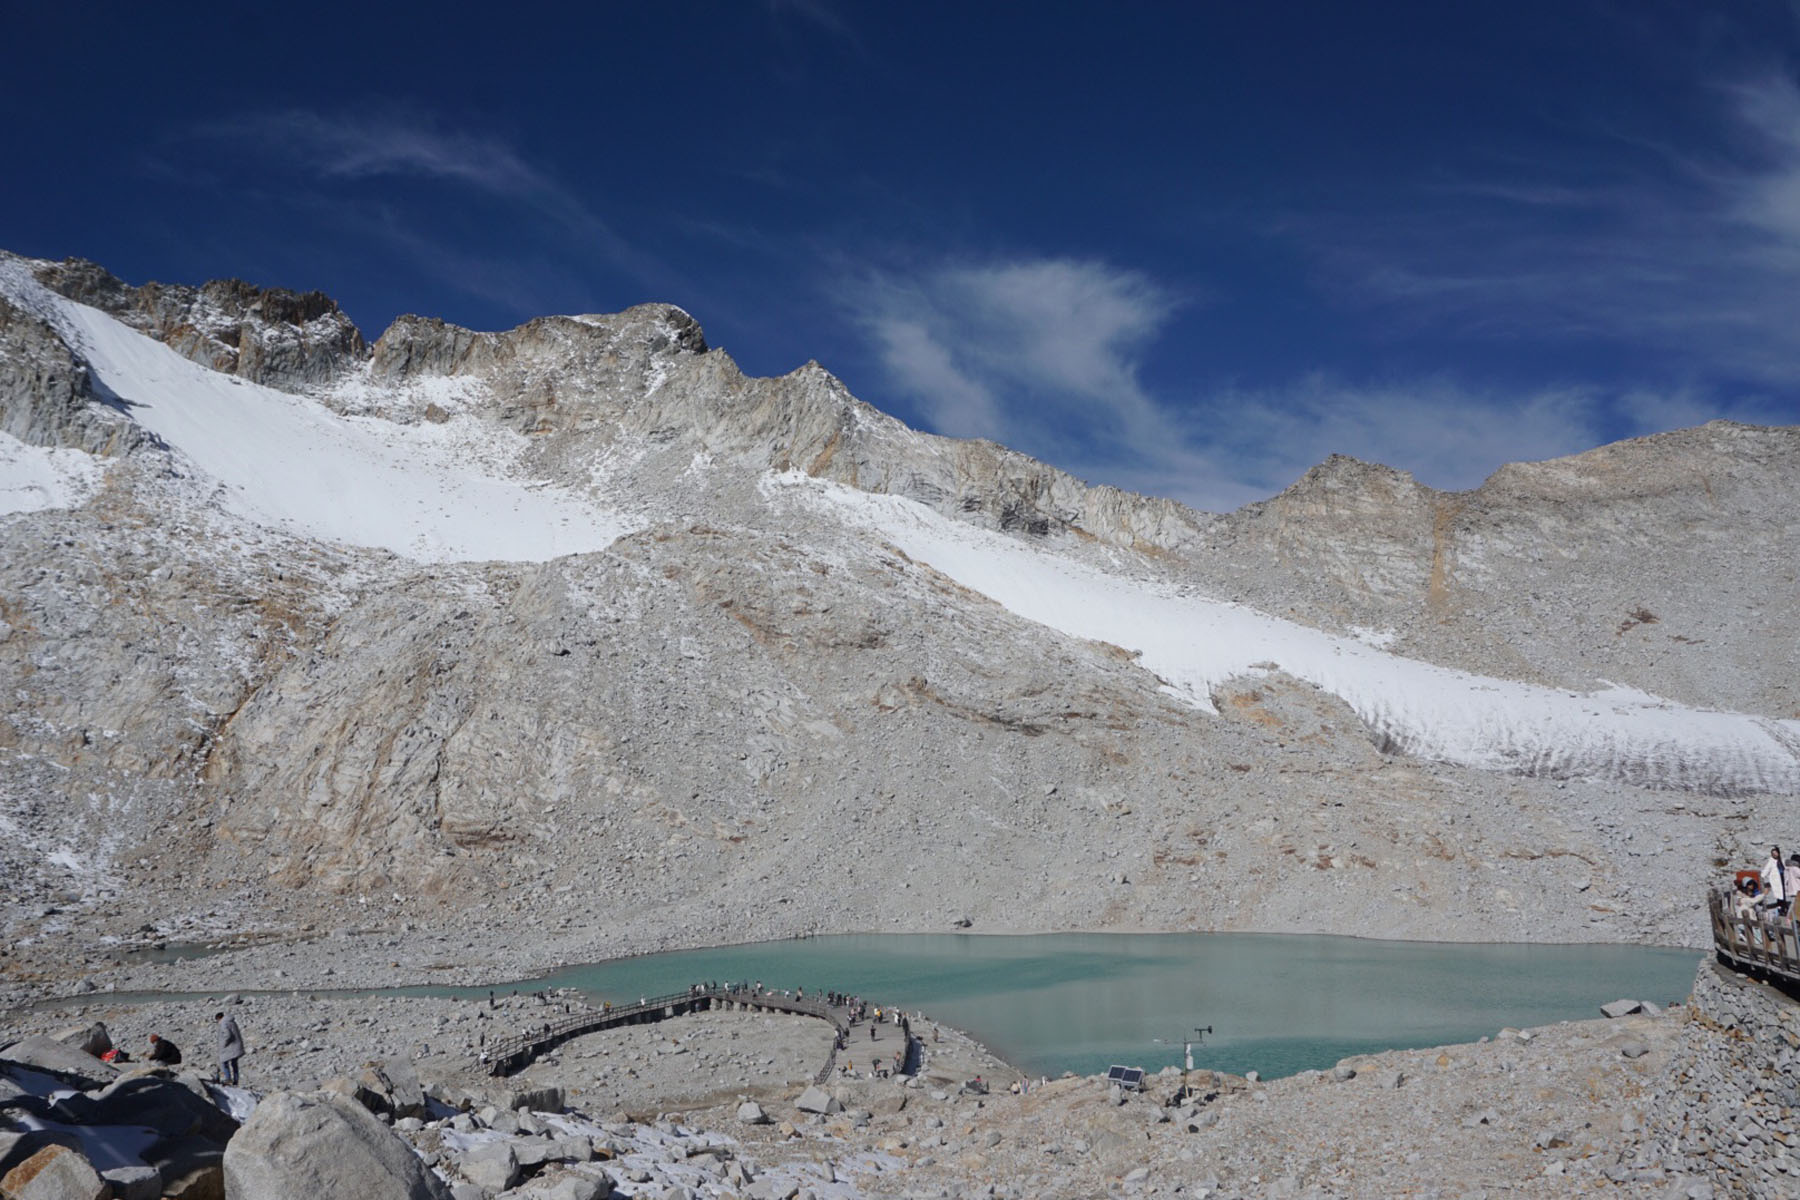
(1196, 644)
(34, 478)
(435, 493)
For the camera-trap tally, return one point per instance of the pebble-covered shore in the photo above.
(1696, 1100)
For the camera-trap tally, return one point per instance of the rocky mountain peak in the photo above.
(415, 347)
(1704, 460)
(285, 339)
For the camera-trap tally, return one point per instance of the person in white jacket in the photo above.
(1774, 876)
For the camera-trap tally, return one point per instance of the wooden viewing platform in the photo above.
(1768, 948)
(508, 1056)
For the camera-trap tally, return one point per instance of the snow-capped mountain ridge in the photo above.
(647, 371)
(453, 606)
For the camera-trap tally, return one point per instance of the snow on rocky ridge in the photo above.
(452, 490)
(1196, 644)
(34, 478)
(430, 492)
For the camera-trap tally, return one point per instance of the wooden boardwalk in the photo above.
(1768, 948)
(509, 1056)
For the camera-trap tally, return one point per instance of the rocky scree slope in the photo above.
(747, 718)
(1663, 563)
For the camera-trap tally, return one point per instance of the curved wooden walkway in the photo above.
(507, 1057)
(1769, 949)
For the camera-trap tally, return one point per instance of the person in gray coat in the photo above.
(231, 1048)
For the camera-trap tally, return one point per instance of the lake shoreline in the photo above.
(1131, 973)
(1525, 1106)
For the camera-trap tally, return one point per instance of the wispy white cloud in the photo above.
(1447, 433)
(331, 153)
(1247, 444)
(821, 13)
(983, 347)
(1046, 356)
(399, 143)
(1689, 255)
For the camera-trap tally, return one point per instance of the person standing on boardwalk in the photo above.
(1793, 880)
(231, 1048)
(1775, 892)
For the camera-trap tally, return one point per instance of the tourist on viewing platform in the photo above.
(1774, 881)
(1793, 880)
(1744, 904)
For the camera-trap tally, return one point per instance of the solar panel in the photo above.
(1127, 1077)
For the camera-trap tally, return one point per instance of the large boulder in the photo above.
(55, 1173)
(191, 1168)
(320, 1145)
(66, 1062)
(17, 1145)
(491, 1165)
(538, 1098)
(391, 1087)
(89, 1039)
(816, 1099)
(156, 1102)
(134, 1183)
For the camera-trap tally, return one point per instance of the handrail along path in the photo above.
(1769, 948)
(509, 1056)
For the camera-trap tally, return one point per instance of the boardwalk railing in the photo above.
(1757, 945)
(508, 1056)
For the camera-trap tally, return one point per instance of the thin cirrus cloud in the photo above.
(1045, 355)
(393, 144)
(333, 151)
(1688, 255)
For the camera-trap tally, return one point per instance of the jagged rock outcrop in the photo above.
(1659, 562)
(46, 396)
(645, 378)
(289, 340)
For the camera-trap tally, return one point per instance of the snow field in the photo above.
(433, 493)
(34, 478)
(1196, 644)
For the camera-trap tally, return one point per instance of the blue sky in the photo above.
(1188, 249)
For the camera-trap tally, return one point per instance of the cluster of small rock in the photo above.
(1677, 1103)
(1729, 1111)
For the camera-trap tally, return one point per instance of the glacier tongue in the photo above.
(432, 493)
(1414, 707)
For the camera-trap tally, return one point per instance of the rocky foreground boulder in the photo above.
(64, 1061)
(54, 1173)
(320, 1145)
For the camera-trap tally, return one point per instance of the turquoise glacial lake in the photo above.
(1278, 1004)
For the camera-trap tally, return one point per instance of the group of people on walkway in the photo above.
(168, 1054)
(1769, 894)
